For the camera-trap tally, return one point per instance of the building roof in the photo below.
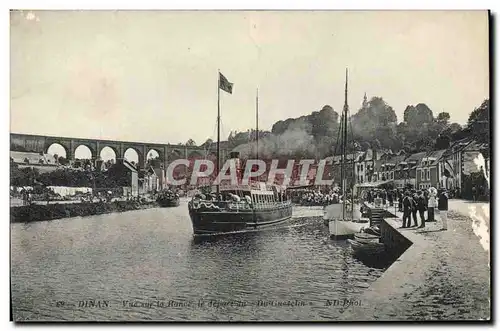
(416, 157)
(350, 156)
(457, 145)
(396, 159)
(126, 164)
(369, 154)
(435, 156)
(476, 146)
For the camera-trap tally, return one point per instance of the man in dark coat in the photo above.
(443, 209)
(400, 200)
(408, 207)
(390, 198)
(414, 195)
(421, 207)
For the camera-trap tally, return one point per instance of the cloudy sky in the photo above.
(152, 75)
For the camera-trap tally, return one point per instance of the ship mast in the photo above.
(344, 143)
(257, 123)
(218, 133)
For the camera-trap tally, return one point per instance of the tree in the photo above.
(209, 142)
(154, 162)
(17, 148)
(479, 122)
(443, 118)
(418, 115)
(442, 142)
(190, 142)
(376, 121)
(62, 160)
(454, 127)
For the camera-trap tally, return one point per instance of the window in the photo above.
(422, 175)
(361, 167)
(428, 174)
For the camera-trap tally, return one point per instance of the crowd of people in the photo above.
(413, 204)
(309, 197)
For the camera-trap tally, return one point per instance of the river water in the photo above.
(146, 265)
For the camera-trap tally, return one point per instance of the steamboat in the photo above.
(238, 207)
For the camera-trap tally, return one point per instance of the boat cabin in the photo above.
(256, 193)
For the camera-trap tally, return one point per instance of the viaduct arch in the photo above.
(166, 152)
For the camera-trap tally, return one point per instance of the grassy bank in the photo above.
(35, 213)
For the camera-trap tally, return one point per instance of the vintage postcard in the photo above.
(249, 166)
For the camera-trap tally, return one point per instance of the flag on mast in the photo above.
(224, 84)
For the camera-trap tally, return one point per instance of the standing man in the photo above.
(408, 205)
(400, 200)
(414, 208)
(443, 209)
(390, 198)
(421, 207)
(431, 205)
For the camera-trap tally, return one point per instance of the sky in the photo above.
(151, 76)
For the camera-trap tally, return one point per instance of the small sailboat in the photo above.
(341, 225)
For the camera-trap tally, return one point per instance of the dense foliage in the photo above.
(70, 177)
(375, 125)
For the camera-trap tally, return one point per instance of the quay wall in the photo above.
(393, 240)
(35, 212)
(442, 275)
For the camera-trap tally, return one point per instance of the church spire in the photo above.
(365, 101)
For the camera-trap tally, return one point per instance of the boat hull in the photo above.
(366, 238)
(206, 222)
(344, 229)
(369, 249)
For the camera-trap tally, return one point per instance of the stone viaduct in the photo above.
(167, 152)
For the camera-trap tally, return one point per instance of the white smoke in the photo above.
(292, 141)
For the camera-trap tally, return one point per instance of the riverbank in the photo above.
(36, 212)
(444, 275)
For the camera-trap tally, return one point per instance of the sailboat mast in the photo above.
(257, 123)
(218, 130)
(344, 145)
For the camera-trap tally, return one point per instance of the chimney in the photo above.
(235, 157)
